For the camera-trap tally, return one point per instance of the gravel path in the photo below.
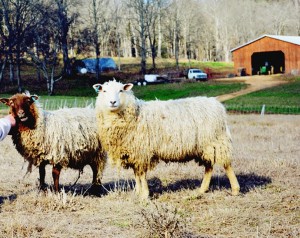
(255, 83)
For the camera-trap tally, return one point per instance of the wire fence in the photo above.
(263, 109)
(54, 104)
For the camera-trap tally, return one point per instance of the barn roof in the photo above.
(291, 39)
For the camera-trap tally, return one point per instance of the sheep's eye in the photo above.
(104, 91)
(121, 91)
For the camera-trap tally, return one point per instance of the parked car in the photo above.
(196, 74)
(89, 65)
(152, 79)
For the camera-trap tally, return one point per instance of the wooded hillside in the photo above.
(43, 30)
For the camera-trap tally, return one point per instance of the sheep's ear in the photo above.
(34, 98)
(5, 101)
(27, 93)
(128, 86)
(97, 87)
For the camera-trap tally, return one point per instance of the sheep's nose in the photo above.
(21, 113)
(113, 102)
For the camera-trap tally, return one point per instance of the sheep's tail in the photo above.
(29, 169)
(79, 173)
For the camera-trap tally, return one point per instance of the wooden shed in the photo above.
(268, 54)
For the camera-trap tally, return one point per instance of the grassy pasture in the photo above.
(266, 161)
(283, 99)
(182, 90)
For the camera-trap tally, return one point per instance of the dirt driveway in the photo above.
(255, 83)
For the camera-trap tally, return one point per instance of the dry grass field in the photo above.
(266, 161)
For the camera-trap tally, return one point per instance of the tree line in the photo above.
(40, 31)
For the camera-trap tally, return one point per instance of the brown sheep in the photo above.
(63, 138)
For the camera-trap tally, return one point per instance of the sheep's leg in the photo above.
(145, 189)
(55, 174)
(141, 185)
(97, 168)
(138, 186)
(206, 178)
(96, 176)
(235, 187)
(42, 172)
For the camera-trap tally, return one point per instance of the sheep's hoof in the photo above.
(202, 191)
(144, 197)
(140, 196)
(43, 187)
(96, 190)
(235, 192)
(137, 192)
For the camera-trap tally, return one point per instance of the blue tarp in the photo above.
(104, 64)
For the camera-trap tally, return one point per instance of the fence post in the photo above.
(263, 110)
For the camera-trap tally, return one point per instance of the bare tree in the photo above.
(151, 28)
(297, 15)
(47, 61)
(95, 15)
(193, 29)
(44, 44)
(118, 19)
(63, 18)
(278, 25)
(175, 30)
(155, 11)
(139, 8)
(18, 18)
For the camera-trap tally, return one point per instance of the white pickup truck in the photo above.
(196, 74)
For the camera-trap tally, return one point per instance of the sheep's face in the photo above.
(21, 107)
(112, 94)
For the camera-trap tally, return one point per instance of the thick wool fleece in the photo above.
(67, 137)
(142, 133)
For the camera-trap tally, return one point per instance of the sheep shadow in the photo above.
(11, 197)
(101, 190)
(247, 183)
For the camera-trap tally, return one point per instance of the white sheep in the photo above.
(138, 134)
(63, 138)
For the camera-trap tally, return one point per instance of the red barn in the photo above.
(268, 54)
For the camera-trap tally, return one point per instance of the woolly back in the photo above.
(67, 136)
(70, 133)
(171, 130)
(187, 121)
